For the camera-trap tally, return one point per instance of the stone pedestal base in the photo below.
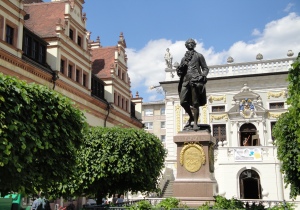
(194, 188)
(194, 193)
(194, 185)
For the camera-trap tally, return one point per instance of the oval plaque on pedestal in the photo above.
(192, 157)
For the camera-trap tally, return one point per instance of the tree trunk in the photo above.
(99, 196)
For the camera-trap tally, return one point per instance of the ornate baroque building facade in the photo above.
(48, 43)
(244, 102)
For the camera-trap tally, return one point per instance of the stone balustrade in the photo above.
(235, 69)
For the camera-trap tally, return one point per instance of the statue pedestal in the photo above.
(195, 183)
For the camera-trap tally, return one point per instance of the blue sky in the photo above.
(236, 28)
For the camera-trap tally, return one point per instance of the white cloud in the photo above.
(288, 7)
(256, 32)
(146, 66)
(276, 39)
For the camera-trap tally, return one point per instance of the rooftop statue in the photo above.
(168, 58)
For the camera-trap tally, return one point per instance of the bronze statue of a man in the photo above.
(192, 72)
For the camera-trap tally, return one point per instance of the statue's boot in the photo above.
(196, 127)
(189, 123)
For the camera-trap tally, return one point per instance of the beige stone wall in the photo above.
(157, 118)
(11, 14)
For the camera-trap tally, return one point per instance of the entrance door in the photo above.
(250, 185)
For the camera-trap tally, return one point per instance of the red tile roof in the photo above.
(44, 16)
(103, 59)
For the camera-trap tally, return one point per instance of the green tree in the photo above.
(141, 205)
(119, 160)
(232, 203)
(287, 133)
(171, 203)
(40, 132)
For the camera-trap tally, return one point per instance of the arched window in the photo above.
(248, 135)
(250, 187)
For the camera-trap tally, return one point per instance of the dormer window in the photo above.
(42, 54)
(34, 47)
(27, 44)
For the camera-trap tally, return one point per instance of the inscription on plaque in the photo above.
(192, 157)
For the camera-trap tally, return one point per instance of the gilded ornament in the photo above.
(277, 94)
(177, 110)
(217, 98)
(192, 157)
(218, 117)
(204, 114)
(275, 114)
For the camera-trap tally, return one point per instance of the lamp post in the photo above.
(152, 87)
(54, 77)
(158, 89)
(109, 106)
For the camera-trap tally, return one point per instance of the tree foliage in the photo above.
(220, 202)
(224, 203)
(40, 130)
(233, 203)
(141, 205)
(171, 203)
(287, 132)
(118, 160)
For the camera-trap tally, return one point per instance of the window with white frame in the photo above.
(70, 71)
(148, 112)
(11, 32)
(9, 38)
(77, 76)
(84, 82)
(219, 132)
(272, 126)
(71, 34)
(163, 111)
(123, 76)
(162, 124)
(79, 42)
(218, 108)
(148, 125)
(163, 138)
(276, 105)
(62, 66)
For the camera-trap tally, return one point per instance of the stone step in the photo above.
(168, 190)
